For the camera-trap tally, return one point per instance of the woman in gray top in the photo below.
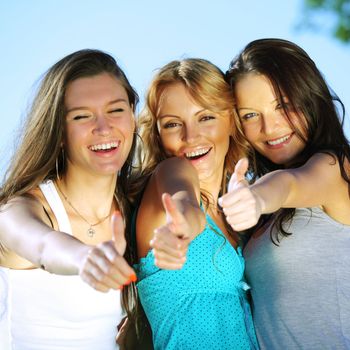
(297, 260)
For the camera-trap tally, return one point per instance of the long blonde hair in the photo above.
(207, 86)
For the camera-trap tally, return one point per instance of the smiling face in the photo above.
(99, 125)
(264, 122)
(188, 130)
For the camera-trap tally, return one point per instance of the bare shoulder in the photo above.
(323, 159)
(321, 167)
(15, 215)
(335, 187)
(31, 203)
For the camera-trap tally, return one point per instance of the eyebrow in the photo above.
(109, 103)
(176, 116)
(245, 108)
(274, 101)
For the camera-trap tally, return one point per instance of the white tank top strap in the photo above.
(50, 193)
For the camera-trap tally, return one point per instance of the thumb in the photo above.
(118, 235)
(173, 215)
(238, 174)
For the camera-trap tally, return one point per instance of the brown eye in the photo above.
(78, 117)
(171, 125)
(249, 116)
(117, 110)
(207, 117)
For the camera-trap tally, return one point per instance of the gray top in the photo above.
(301, 288)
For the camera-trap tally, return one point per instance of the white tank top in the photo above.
(54, 312)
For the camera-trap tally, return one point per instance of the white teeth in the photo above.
(197, 153)
(278, 141)
(104, 146)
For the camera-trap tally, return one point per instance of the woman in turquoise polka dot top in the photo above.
(198, 301)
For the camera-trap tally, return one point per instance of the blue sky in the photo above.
(143, 36)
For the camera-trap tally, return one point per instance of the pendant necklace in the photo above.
(91, 231)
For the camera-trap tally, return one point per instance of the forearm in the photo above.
(273, 190)
(61, 254)
(23, 232)
(179, 178)
(177, 175)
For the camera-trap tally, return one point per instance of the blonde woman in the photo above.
(201, 302)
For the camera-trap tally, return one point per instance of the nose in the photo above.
(270, 121)
(102, 125)
(190, 132)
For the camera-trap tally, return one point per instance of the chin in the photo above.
(107, 171)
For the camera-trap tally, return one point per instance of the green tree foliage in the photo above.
(337, 14)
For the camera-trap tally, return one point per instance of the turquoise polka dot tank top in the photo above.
(203, 305)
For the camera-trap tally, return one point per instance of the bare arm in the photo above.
(317, 183)
(177, 217)
(23, 231)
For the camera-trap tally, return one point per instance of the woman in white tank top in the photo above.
(60, 248)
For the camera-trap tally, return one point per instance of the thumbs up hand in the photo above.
(104, 266)
(242, 207)
(170, 241)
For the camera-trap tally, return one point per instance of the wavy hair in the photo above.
(294, 74)
(207, 86)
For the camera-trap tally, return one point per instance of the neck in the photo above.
(212, 189)
(92, 195)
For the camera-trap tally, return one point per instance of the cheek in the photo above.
(168, 143)
(250, 133)
(71, 139)
(127, 125)
(300, 124)
(70, 146)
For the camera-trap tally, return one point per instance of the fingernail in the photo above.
(133, 278)
(220, 201)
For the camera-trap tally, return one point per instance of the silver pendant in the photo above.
(91, 232)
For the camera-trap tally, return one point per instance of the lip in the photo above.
(284, 140)
(196, 151)
(206, 152)
(105, 149)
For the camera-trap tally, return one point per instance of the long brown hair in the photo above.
(39, 155)
(40, 144)
(294, 74)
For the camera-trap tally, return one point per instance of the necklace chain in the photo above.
(90, 232)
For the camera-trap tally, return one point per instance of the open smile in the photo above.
(105, 147)
(197, 154)
(280, 141)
